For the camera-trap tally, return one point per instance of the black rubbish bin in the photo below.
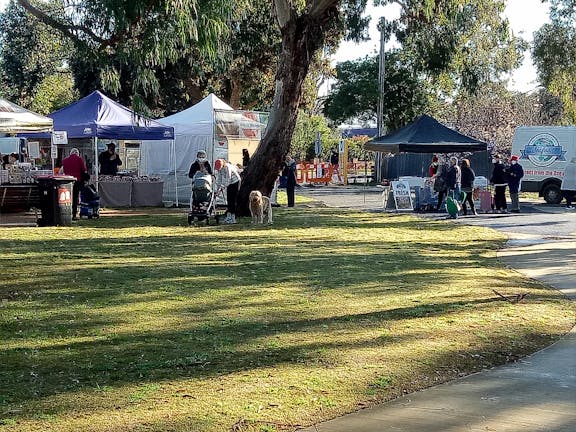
(55, 200)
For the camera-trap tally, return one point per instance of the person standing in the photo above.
(109, 160)
(440, 182)
(75, 166)
(245, 158)
(499, 179)
(515, 174)
(289, 171)
(200, 164)
(228, 177)
(468, 177)
(568, 186)
(453, 178)
(433, 168)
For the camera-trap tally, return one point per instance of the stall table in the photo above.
(130, 193)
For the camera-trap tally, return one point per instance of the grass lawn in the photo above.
(137, 322)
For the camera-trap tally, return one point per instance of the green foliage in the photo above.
(554, 55)
(54, 92)
(32, 59)
(305, 135)
(355, 94)
(124, 45)
(356, 148)
(460, 44)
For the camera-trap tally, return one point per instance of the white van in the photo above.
(543, 152)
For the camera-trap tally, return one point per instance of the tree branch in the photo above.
(317, 8)
(67, 29)
(283, 10)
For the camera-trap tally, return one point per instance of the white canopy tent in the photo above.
(14, 119)
(194, 129)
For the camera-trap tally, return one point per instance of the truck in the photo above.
(543, 152)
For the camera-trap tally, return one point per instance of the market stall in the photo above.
(18, 174)
(102, 120)
(210, 125)
(424, 135)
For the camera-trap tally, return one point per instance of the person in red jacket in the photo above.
(75, 166)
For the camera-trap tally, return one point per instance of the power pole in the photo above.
(380, 110)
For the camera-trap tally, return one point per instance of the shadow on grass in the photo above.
(61, 309)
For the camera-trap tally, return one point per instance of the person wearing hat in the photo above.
(109, 160)
(499, 179)
(200, 164)
(568, 186)
(515, 174)
(228, 177)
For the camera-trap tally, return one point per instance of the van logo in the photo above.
(543, 150)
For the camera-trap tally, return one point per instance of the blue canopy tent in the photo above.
(97, 116)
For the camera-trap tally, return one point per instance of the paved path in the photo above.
(536, 394)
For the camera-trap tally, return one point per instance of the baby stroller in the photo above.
(203, 201)
(89, 202)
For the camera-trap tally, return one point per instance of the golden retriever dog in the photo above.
(260, 207)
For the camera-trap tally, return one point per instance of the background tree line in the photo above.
(451, 60)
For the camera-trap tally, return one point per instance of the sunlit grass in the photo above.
(141, 322)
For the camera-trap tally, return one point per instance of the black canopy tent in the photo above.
(425, 135)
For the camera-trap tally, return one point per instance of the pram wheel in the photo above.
(207, 221)
(217, 219)
(190, 219)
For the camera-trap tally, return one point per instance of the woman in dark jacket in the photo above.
(200, 164)
(468, 177)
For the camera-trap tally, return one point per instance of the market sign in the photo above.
(402, 195)
(59, 137)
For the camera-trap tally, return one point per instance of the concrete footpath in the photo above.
(538, 393)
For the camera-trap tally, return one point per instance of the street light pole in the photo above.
(380, 110)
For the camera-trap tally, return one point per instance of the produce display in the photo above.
(22, 173)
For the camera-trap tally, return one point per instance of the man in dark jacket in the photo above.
(109, 160)
(515, 174)
(500, 180)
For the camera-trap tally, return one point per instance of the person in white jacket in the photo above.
(228, 177)
(568, 186)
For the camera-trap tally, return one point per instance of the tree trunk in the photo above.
(302, 36)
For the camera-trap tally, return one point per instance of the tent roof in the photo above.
(425, 135)
(198, 119)
(96, 115)
(14, 118)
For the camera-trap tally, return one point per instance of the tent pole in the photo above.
(96, 162)
(175, 173)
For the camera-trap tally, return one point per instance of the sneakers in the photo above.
(230, 219)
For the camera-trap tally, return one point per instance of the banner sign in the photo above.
(402, 196)
(59, 137)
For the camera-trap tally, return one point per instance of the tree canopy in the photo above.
(446, 49)
(33, 67)
(355, 93)
(554, 54)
